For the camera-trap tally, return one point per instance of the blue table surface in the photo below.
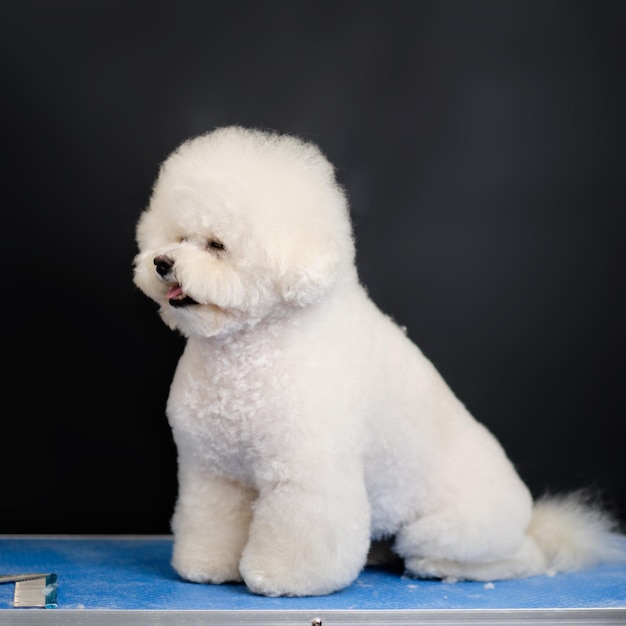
(129, 573)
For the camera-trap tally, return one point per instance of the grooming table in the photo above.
(129, 580)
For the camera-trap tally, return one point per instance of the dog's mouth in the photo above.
(178, 298)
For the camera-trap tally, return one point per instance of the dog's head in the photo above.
(242, 224)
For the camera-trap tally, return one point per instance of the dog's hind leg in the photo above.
(475, 529)
(483, 537)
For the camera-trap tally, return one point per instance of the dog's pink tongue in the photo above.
(174, 292)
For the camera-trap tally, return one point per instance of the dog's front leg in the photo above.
(307, 538)
(210, 525)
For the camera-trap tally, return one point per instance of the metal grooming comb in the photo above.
(33, 590)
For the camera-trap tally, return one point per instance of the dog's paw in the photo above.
(198, 566)
(268, 581)
(284, 577)
(294, 564)
(527, 560)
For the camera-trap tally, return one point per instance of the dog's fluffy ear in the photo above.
(306, 278)
(308, 255)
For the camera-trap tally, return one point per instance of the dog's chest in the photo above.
(225, 407)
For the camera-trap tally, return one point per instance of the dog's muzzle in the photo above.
(176, 297)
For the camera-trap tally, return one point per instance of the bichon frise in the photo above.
(307, 424)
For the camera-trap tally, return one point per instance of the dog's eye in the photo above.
(216, 245)
(181, 239)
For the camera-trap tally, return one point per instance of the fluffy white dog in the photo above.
(307, 424)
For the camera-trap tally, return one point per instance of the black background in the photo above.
(482, 148)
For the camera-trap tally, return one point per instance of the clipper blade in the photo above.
(36, 592)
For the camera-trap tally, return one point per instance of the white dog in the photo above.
(307, 424)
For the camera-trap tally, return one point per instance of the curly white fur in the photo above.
(307, 424)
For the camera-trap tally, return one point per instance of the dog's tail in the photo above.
(574, 532)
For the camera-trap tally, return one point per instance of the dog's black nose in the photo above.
(163, 264)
